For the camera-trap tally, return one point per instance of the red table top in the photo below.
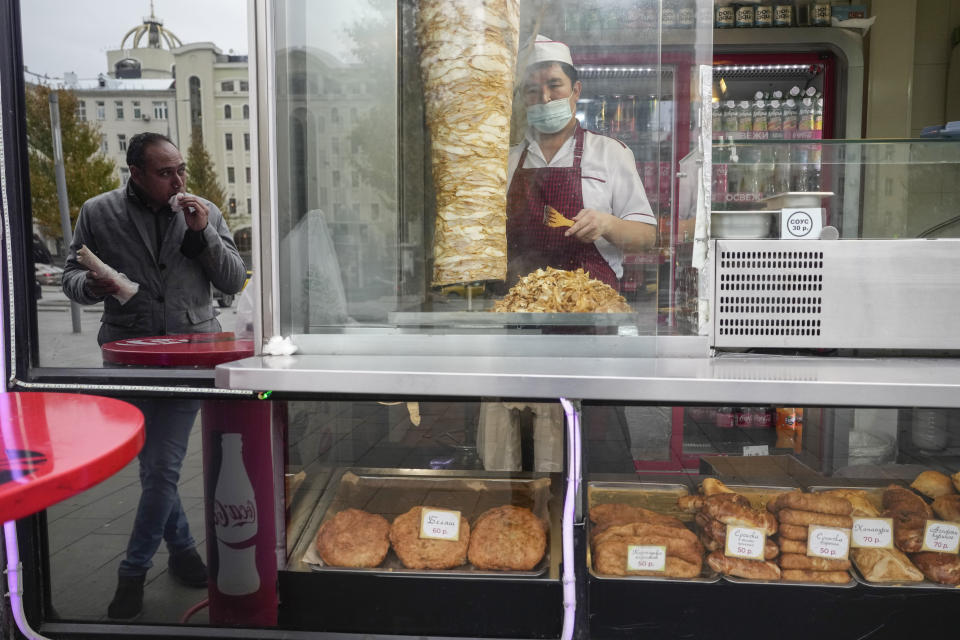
(183, 350)
(55, 445)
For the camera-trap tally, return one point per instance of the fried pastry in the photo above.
(947, 508)
(610, 559)
(885, 565)
(933, 484)
(354, 538)
(507, 538)
(424, 553)
(943, 568)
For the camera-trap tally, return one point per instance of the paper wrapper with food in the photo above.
(90, 261)
(467, 62)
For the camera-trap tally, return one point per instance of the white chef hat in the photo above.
(548, 50)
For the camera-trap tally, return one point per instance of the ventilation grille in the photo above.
(769, 293)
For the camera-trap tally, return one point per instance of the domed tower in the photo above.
(145, 51)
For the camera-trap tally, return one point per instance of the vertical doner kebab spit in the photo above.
(468, 52)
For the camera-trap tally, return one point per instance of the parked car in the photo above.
(48, 274)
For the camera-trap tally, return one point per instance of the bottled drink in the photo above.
(805, 119)
(766, 171)
(730, 120)
(717, 121)
(783, 15)
(786, 427)
(725, 16)
(762, 418)
(818, 117)
(744, 119)
(801, 169)
(790, 117)
(759, 116)
(781, 170)
(600, 124)
(775, 120)
(763, 16)
(745, 16)
(725, 417)
(653, 111)
(628, 122)
(795, 92)
(235, 522)
(744, 417)
(616, 121)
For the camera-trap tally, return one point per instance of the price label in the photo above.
(828, 542)
(801, 224)
(942, 537)
(642, 557)
(439, 524)
(872, 532)
(756, 450)
(745, 542)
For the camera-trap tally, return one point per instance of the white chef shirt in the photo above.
(608, 174)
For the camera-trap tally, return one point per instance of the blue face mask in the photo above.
(550, 117)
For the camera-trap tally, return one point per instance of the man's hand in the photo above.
(590, 225)
(99, 287)
(194, 212)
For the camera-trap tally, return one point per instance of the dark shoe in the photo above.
(127, 603)
(188, 568)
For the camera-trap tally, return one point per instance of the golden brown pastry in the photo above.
(806, 518)
(507, 538)
(816, 502)
(680, 543)
(885, 565)
(792, 546)
(751, 569)
(709, 543)
(955, 478)
(354, 538)
(614, 514)
(933, 484)
(729, 512)
(717, 532)
(610, 558)
(424, 553)
(794, 531)
(712, 487)
(813, 563)
(859, 501)
(939, 567)
(909, 513)
(806, 575)
(947, 507)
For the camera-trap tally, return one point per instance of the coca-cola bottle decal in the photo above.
(235, 522)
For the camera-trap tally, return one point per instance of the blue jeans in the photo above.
(160, 516)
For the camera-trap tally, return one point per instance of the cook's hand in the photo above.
(590, 225)
(194, 212)
(99, 287)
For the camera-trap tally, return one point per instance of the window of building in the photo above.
(375, 211)
(323, 196)
(336, 178)
(227, 85)
(81, 111)
(335, 115)
(118, 109)
(246, 112)
(354, 179)
(233, 205)
(227, 112)
(124, 174)
(244, 85)
(228, 139)
(160, 110)
(248, 175)
(196, 102)
(103, 144)
(246, 142)
(230, 175)
(122, 141)
(335, 146)
(249, 206)
(136, 110)
(127, 68)
(101, 110)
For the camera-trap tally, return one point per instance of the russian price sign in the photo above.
(828, 542)
(872, 532)
(942, 537)
(439, 524)
(745, 542)
(642, 557)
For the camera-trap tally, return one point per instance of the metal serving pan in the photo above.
(875, 496)
(391, 492)
(659, 497)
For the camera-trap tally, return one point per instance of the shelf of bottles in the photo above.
(745, 170)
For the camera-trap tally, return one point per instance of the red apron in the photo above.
(530, 243)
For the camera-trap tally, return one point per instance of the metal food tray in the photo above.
(391, 492)
(759, 496)
(659, 497)
(875, 495)
(489, 319)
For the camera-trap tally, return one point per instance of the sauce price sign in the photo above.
(642, 557)
(872, 532)
(828, 542)
(439, 524)
(745, 542)
(942, 537)
(801, 224)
